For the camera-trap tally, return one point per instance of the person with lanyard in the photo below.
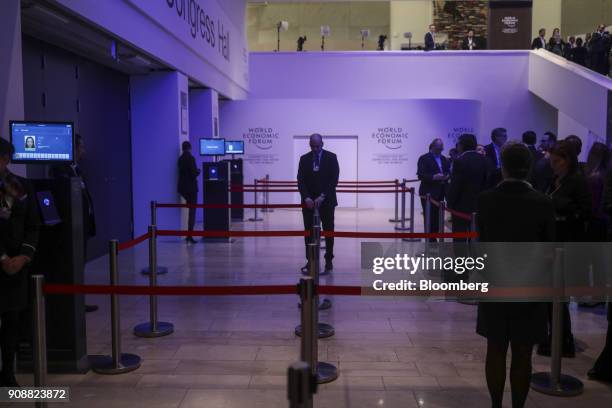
(19, 229)
(317, 179)
(67, 171)
(433, 170)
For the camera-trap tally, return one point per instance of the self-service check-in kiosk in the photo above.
(59, 258)
(216, 180)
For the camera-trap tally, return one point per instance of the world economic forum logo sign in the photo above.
(391, 138)
(454, 133)
(260, 137)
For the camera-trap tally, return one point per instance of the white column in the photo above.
(11, 71)
(160, 123)
(203, 123)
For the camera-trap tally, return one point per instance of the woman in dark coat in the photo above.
(513, 212)
(19, 224)
(572, 201)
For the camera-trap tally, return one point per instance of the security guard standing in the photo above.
(19, 227)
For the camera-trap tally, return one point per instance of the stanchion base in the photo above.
(161, 270)
(326, 373)
(325, 330)
(468, 302)
(146, 330)
(411, 240)
(394, 220)
(568, 386)
(104, 364)
(255, 219)
(402, 228)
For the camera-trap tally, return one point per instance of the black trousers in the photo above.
(9, 341)
(434, 217)
(191, 198)
(327, 220)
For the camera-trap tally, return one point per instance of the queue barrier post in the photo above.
(301, 385)
(39, 335)
(255, 217)
(441, 214)
(316, 238)
(161, 270)
(412, 193)
(153, 328)
(473, 223)
(555, 383)
(267, 194)
(402, 226)
(427, 211)
(324, 372)
(396, 217)
(325, 330)
(118, 362)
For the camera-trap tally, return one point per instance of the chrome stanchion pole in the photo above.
(325, 330)
(555, 383)
(324, 372)
(427, 211)
(402, 226)
(396, 218)
(301, 385)
(118, 362)
(153, 328)
(316, 238)
(255, 217)
(161, 270)
(267, 195)
(39, 336)
(412, 192)
(473, 224)
(441, 213)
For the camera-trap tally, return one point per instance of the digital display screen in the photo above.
(212, 147)
(42, 141)
(234, 147)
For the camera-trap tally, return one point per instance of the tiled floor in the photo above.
(233, 352)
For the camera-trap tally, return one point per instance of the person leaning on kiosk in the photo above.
(513, 212)
(317, 179)
(19, 226)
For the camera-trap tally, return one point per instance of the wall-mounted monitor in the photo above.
(234, 147)
(212, 147)
(42, 142)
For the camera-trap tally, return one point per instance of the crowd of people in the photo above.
(545, 195)
(593, 52)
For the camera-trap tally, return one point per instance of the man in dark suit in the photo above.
(542, 174)
(468, 179)
(499, 137)
(470, 42)
(188, 184)
(540, 41)
(317, 179)
(19, 227)
(600, 50)
(430, 41)
(528, 216)
(530, 139)
(67, 171)
(433, 169)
